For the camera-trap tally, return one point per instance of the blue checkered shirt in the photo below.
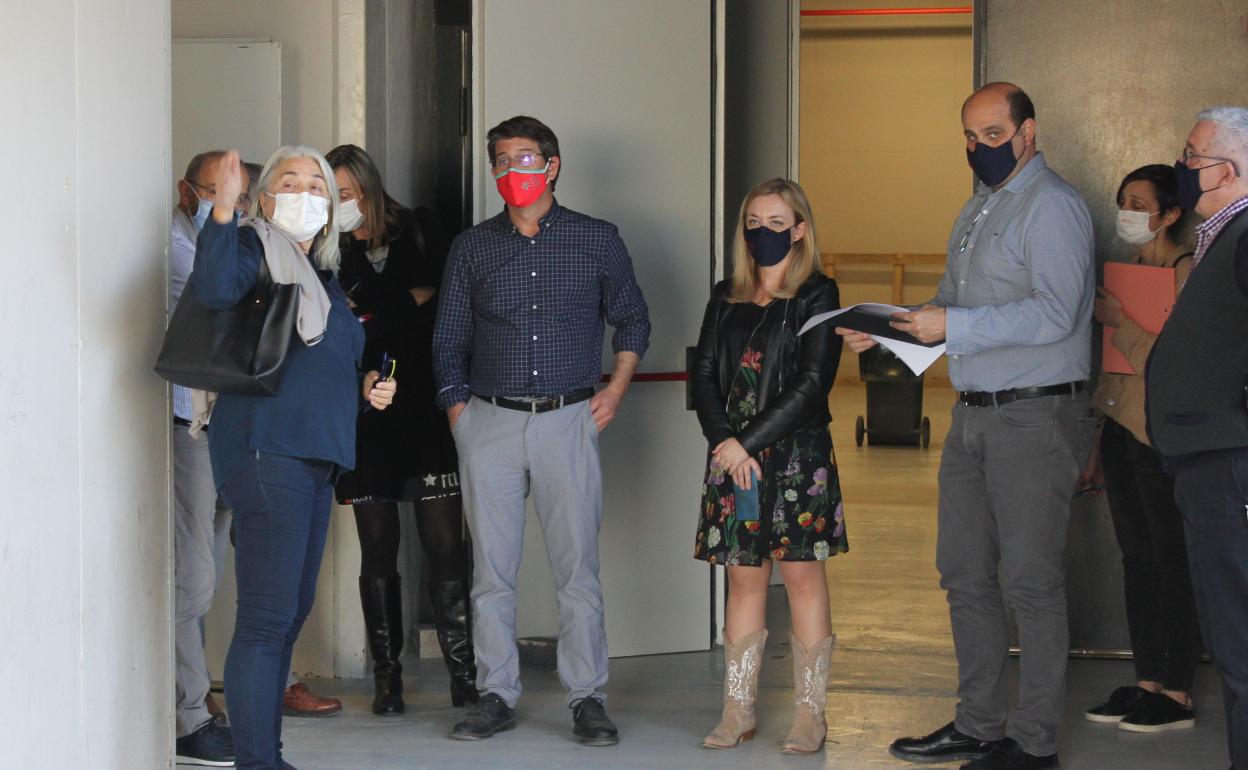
(520, 316)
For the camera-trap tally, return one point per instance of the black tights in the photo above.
(440, 526)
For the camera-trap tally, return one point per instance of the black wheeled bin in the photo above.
(894, 402)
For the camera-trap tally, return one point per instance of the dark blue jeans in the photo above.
(1212, 492)
(281, 514)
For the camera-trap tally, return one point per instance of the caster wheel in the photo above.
(925, 433)
(860, 430)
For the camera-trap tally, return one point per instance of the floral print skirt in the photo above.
(801, 517)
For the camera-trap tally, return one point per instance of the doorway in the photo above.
(883, 164)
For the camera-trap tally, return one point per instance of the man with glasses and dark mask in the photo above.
(517, 352)
(1014, 309)
(1197, 386)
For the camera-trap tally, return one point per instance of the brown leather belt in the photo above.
(1002, 397)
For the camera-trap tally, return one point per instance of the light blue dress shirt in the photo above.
(1018, 286)
(182, 235)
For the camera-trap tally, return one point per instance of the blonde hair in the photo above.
(804, 256)
(325, 243)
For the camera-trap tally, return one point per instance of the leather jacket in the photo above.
(797, 373)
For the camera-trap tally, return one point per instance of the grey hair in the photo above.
(325, 243)
(1231, 132)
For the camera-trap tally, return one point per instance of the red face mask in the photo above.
(521, 188)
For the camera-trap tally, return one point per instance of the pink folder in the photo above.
(1147, 295)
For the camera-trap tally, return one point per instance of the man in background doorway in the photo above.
(1014, 309)
(1198, 400)
(200, 522)
(517, 352)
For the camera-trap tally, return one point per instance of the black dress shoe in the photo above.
(490, 715)
(944, 745)
(1008, 755)
(591, 724)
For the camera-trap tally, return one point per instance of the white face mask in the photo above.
(349, 215)
(300, 215)
(1133, 227)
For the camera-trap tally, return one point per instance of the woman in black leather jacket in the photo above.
(771, 491)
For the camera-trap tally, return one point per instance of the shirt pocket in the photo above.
(1001, 263)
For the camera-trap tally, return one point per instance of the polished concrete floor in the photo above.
(892, 674)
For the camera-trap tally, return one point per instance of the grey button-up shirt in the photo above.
(1018, 286)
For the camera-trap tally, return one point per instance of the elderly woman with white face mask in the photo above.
(275, 458)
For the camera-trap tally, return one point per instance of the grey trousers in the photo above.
(200, 537)
(1006, 478)
(504, 456)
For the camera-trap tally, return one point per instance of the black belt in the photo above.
(1002, 397)
(181, 422)
(542, 404)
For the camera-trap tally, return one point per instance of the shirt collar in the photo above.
(1226, 212)
(503, 222)
(1027, 174)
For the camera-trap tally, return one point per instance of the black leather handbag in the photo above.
(240, 349)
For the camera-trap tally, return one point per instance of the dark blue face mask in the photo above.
(1189, 184)
(993, 164)
(767, 246)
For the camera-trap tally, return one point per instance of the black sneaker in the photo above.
(1121, 702)
(591, 724)
(209, 746)
(490, 715)
(1158, 712)
(1008, 755)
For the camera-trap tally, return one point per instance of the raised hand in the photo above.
(230, 183)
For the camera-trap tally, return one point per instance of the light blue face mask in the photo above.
(202, 212)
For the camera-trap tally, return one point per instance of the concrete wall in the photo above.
(86, 544)
(400, 58)
(882, 156)
(305, 28)
(1116, 84)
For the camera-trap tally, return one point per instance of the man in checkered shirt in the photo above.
(517, 352)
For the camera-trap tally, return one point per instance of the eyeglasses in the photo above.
(1186, 159)
(525, 160)
(210, 189)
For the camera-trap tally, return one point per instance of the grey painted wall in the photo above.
(1116, 84)
(400, 126)
(85, 546)
(756, 102)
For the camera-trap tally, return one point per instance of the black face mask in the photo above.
(993, 164)
(1189, 184)
(767, 246)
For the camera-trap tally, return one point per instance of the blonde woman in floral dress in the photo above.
(761, 393)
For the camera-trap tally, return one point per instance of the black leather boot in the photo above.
(452, 616)
(382, 600)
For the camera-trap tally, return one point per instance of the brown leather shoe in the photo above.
(302, 702)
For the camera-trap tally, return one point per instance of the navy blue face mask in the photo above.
(767, 246)
(993, 164)
(1189, 184)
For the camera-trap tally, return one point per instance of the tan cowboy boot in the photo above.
(810, 697)
(741, 663)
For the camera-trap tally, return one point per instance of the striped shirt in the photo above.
(1207, 231)
(524, 316)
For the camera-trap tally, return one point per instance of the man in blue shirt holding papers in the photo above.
(1014, 310)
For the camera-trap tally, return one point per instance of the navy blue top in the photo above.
(524, 316)
(314, 412)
